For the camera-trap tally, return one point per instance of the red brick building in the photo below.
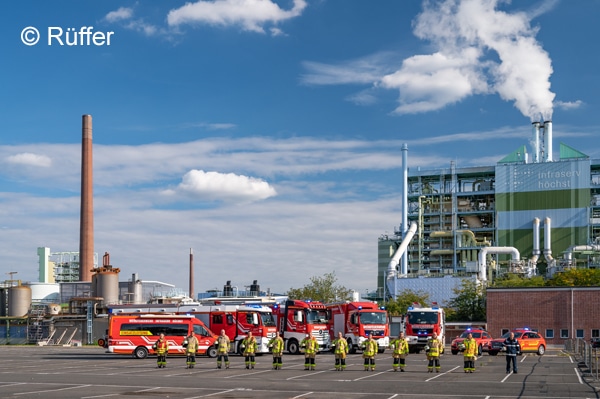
(557, 313)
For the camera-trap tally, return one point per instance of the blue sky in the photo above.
(266, 134)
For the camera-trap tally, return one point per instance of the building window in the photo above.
(564, 333)
(595, 333)
(504, 331)
(549, 333)
(579, 334)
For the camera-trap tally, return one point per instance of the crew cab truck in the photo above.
(358, 319)
(420, 323)
(237, 321)
(135, 334)
(296, 318)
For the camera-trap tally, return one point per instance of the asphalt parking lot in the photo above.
(89, 372)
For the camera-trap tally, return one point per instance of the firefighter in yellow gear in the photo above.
(340, 349)
(161, 346)
(433, 351)
(249, 345)
(370, 349)
(223, 347)
(191, 345)
(311, 347)
(469, 353)
(276, 345)
(400, 346)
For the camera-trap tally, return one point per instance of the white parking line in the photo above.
(53, 390)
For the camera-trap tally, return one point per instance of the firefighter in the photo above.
(191, 347)
(223, 346)
(161, 346)
(311, 346)
(470, 353)
(400, 346)
(370, 349)
(340, 348)
(433, 350)
(249, 345)
(276, 345)
(512, 348)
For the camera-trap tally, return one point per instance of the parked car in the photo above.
(530, 341)
(482, 338)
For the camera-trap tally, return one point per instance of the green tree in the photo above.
(323, 289)
(469, 302)
(575, 278)
(399, 306)
(515, 280)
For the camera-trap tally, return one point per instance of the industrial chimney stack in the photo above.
(86, 223)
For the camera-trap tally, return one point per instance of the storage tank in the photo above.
(19, 301)
(44, 292)
(3, 301)
(107, 286)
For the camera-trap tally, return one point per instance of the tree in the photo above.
(323, 289)
(469, 302)
(575, 278)
(399, 306)
(515, 280)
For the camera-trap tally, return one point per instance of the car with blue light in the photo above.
(530, 341)
(481, 336)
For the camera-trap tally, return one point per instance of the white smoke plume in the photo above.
(479, 49)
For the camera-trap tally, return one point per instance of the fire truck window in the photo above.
(229, 319)
(217, 319)
(298, 315)
(353, 319)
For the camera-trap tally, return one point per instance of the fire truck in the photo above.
(420, 323)
(297, 318)
(237, 321)
(135, 334)
(357, 319)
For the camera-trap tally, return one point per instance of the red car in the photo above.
(482, 338)
(530, 341)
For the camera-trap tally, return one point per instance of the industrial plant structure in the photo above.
(529, 214)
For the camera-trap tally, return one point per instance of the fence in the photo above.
(588, 356)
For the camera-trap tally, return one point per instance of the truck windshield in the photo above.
(267, 319)
(373, 318)
(423, 317)
(316, 317)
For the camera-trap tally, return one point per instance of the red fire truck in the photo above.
(236, 320)
(135, 334)
(357, 319)
(420, 323)
(297, 318)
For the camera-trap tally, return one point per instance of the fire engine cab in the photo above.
(297, 318)
(357, 319)
(420, 323)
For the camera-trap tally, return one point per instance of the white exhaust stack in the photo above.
(536, 241)
(536, 142)
(548, 241)
(548, 140)
(404, 266)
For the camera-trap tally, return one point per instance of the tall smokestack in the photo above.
(86, 223)
(191, 273)
(404, 264)
(548, 140)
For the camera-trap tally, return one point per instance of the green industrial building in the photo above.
(545, 210)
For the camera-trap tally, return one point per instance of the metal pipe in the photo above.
(392, 275)
(404, 268)
(536, 142)
(548, 140)
(548, 241)
(191, 273)
(516, 256)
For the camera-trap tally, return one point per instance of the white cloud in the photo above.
(567, 105)
(224, 186)
(30, 159)
(120, 14)
(250, 15)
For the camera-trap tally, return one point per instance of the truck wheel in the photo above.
(351, 347)
(381, 350)
(479, 350)
(141, 352)
(493, 353)
(455, 352)
(293, 347)
(212, 351)
(240, 350)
